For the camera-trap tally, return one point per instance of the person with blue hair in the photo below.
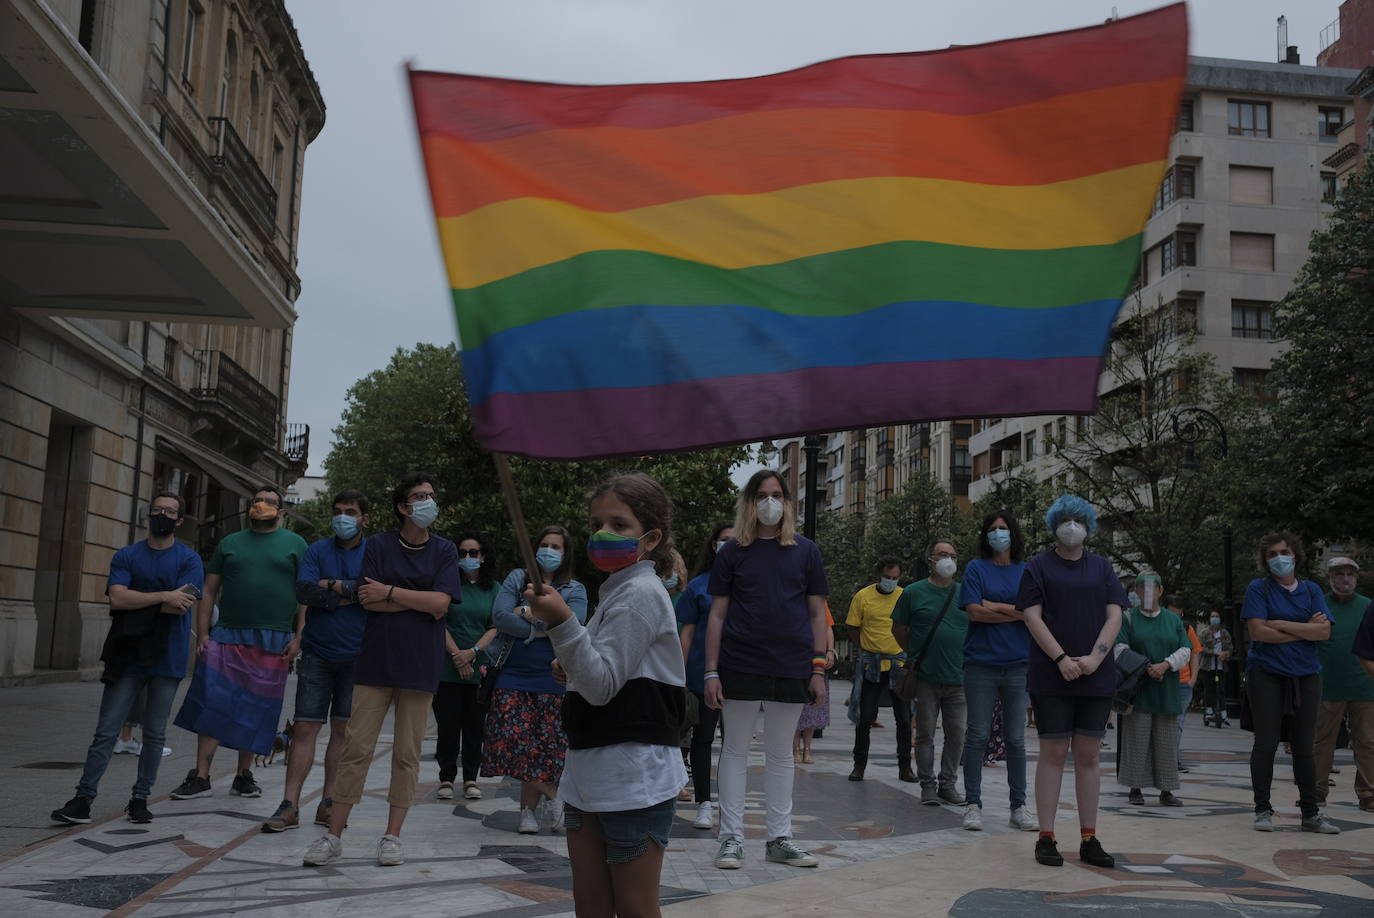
(1071, 601)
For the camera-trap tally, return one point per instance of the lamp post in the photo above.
(1194, 428)
(1011, 489)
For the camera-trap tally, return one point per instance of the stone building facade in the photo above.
(149, 218)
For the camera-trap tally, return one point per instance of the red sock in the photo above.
(1087, 832)
(1049, 835)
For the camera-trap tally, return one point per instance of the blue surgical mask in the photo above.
(669, 583)
(345, 526)
(886, 584)
(1214, 620)
(549, 559)
(471, 565)
(423, 513)
(1281, 565)
(999, 539)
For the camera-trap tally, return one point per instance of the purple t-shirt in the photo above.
(768, 625)
(1073, 596)
(406, 649)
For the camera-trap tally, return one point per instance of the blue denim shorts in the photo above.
(324, 689)
(626, 833)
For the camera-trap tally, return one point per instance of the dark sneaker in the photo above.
(323, 811)
(76, 811)
(1047, 852)
(1320, 824)
(244, 785)
(1090, 852)
(857, 774)
(1168, 799)
(950, 794)
(193, 786)
(906, 774)
(287, 816)
(1135, 797)
(137, 811)
(930, 795)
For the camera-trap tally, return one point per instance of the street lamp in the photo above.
(1199, 428)
(1011, 489)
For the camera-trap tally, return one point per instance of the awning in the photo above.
(212, 465)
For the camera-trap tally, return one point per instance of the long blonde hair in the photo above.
(747, 512)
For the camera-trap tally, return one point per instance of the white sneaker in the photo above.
(706, 816)
(445, 791)
(1022, 819)
(166, 751)
(555, 808)
(389, 853)
(471, 791)
(326, 849)
(529, 823)
(973, 817)
(128, 747)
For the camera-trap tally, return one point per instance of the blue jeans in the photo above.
(982, 686)
(115, 704)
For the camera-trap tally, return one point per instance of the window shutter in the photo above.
(1252, 185)
(1252, 251)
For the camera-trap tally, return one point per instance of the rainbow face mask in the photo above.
(611, 552)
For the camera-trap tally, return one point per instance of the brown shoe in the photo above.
(323, 811)
(1367, 804)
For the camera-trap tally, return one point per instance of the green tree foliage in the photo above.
(413, 415)
(1313, 471)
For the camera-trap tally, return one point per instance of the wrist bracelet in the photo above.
(709, 676)
(389, 591)
(1061, 656)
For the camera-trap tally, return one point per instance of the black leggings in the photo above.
(703, 734)
(458, 715)
(1266, 693)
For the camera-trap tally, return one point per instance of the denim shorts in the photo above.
(324, 689)
(626, 833)
(1062, 716)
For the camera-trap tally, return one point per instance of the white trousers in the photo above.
(739, 719)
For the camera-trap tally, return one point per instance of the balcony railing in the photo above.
(235, 166)
(297, 446)
(240, 398)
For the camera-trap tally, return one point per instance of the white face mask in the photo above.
(946, 567)
(770, 511)
(886, 584)
(1071, 534)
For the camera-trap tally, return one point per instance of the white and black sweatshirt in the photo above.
(625, 670)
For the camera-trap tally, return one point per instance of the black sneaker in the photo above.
(1047, 852)
(76, 811)
(193, 786)
(1135, 797)
(1090, 852)
(1167, 798)
(137, 811)
(244, 785)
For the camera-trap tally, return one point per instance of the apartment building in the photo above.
(1349, 42)
(153, 158)
(1246, 188)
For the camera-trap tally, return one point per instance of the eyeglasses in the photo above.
(944, 554)
(469, 552)
(162, 511)
(416, 498)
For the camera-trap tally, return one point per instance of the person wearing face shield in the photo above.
(1148, 756)
(1347, 690)
(1286, 617)
(235, 698)
(1071, 600)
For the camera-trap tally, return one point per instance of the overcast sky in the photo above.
(369, 259)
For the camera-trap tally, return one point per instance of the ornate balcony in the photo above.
(241, 405)
(297, 447)
(235, 166)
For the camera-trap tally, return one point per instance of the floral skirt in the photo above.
(524, 738)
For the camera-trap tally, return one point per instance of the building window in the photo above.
(1252, 251)
(1251, 380)
(191, 39)
(169, 357)
(1247, 119)
(160, 28)
(1183, 314)
(1250, 319)
(1179, 182)
(1178, 250)
(87, 25)
(1028, 445)
(1252, 185)
(1185, 115)
(1329, 190)
(1062, 429)
(1329, 121)
(1082, 426)
(1047, 436)
(960, 463)
(980, 466)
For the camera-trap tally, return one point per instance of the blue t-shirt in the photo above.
(527, 668)
(1297, 658)
(695, 609)
(149, 570)
(768, 623)
(333, 634)
(406, 649)
(1073, 596)
(1003, 643)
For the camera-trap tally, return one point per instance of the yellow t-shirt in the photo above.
(871, 612)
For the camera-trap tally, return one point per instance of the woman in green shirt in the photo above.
(457, 712)
(1149, 734)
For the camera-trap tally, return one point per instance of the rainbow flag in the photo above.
(868, 240)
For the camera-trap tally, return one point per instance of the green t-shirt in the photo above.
(917, 608)
(1343, 679)
(1156, 638)
(467, 621)
(259, 578)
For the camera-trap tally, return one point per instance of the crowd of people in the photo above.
(607, 717)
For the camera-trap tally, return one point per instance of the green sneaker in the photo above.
(785, 851)
(731, 854)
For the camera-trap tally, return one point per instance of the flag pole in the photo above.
(517, 519)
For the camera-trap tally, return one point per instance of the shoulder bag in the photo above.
(906, 689)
